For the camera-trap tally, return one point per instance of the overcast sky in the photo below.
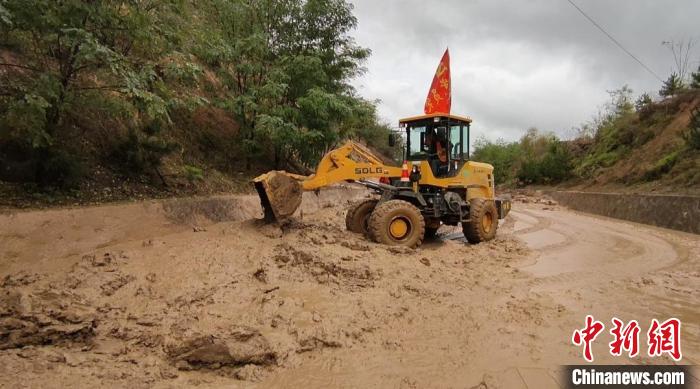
(517, 64)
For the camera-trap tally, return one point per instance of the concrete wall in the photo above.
(670, 211)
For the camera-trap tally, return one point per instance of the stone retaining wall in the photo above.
(669, 211)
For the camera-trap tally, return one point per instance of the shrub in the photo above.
(502, 155)
(139, 152)
(695, 79)
(556, 165)
(60, 168)
(692, 135)
(193, 173)
(662, 166)
(536, 159)
(672, 86)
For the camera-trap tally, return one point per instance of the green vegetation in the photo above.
(672, 86)
(536, 159)
(692, 135)
(695, 79)
(193, 173)
(662, 166)
(107, 94)
(234, 84)
(606, 146)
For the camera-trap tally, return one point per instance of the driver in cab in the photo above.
(436, 147)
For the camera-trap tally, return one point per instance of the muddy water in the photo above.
(321, 306)
(579, 265)
(567, 242)
(615, 268)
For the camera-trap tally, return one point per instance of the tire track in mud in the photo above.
(593, 251)
(542, 223)
(545, 223)
(627, 269)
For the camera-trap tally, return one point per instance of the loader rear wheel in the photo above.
(483, 221)
(397, 223)
(358, 216)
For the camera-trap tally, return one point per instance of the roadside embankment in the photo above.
(678, 212)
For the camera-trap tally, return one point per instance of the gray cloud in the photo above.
(517, 64)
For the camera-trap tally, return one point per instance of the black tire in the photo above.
(483, 221)
(358, 216)
(397, 223)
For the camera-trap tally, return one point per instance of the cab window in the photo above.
(417, 148)
(455, 142)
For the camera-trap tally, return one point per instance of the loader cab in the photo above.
(440, 139)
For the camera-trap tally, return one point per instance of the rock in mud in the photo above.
(355, 246)
(99, 261)
(242, 346)
(47, 318)
(19, 279)
(250, 373)
(323, 270)
(315, 339)
(113, 285)
(261, 275)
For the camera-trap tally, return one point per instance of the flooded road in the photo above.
(172, 299)
(579, 264)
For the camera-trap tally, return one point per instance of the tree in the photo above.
(501, 154)
(643, 106)
(281, 69)
(692, 135)
(695, 79)
(681, 55)
(672, 86)
(288, 64)
(620, 101)
(76, 54)
(643, 102)
(556, 165)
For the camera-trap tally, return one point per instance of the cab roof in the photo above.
(465, 119)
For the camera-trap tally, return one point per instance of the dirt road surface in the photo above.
(199, 294)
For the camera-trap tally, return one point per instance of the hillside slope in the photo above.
(645, 152)
(628, 147)
(104, 101)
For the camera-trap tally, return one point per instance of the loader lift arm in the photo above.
(280, 192)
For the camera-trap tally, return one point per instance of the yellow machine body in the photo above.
(280, 192)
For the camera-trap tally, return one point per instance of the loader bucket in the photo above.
(280, 195)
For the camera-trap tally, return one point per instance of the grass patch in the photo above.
(193, 173)
(662, 166)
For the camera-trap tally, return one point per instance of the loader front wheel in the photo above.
(358, 216)
(397, 223)
(483, 221)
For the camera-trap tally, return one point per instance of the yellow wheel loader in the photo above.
(437, 184)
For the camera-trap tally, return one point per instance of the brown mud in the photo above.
(198, 294)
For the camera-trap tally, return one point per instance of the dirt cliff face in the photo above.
(183, 301)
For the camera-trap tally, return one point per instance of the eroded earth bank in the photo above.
(197, 293)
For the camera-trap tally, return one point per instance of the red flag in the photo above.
(439, 98)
